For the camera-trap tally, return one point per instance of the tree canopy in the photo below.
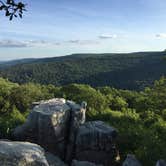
(12, 8)
(136, 115)
(132, 71)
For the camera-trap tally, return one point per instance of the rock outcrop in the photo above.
(59, 127)
(60, 136)
(161, 163)
(21, 154)
(50, 124)
(131, 161)
(95, 142)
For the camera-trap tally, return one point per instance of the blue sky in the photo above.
(61, 27)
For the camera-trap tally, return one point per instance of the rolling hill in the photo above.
(125, 71)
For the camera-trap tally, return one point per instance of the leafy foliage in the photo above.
(12, 8)
(9, 121)
(95, 100)
(140, 117)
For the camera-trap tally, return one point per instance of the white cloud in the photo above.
(108, 36)
(12, 43)
(83, 42)
(161, 35)
(43, 43)
(29, 43)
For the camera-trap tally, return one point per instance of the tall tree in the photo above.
(12, 8)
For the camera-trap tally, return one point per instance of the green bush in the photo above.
(9, 121)
(140, 117)
(95, 100)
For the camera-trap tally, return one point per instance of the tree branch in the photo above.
(12, 9)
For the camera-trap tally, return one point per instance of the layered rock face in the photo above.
(59, 127)
(50, 124)
(95, 142)
(21, 154)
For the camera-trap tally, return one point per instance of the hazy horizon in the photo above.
(43, 57)
(65, 27)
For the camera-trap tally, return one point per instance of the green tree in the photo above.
(9, 121)
(24, 95)
(95, 100)
(5, 92)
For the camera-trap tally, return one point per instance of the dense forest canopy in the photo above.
(132, 71)
(140, 117)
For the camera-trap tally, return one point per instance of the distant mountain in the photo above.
(4, 64)
(126, 71)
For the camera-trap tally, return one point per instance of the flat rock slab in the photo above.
(95, 143)
(51, 106)
(21, 154)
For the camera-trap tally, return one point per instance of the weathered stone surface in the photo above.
(59, 127)
(21, 154)
(131, 161)
(77, 117)
(83, 163)
(161, 163)
(51, 124)
(95, 143)
(54, 160)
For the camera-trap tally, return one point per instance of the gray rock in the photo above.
(51, 124)
(54, 160)
(95, 142)
(79, 112)
(77, 117)
(83, 163)
(131, 161)
(161, 163)
(59, 127)
(21, 154)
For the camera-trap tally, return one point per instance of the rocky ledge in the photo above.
(26, 154)
(59, 126)
(21, 153)
(56, 134)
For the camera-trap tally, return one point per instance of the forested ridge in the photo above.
(140, 117)
(132, 71)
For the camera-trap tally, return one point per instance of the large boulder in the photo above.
(21, 154)
(131, 161)
(95, 142)
(51, 125)
(161, 163)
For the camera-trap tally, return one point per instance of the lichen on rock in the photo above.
(21, 154)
